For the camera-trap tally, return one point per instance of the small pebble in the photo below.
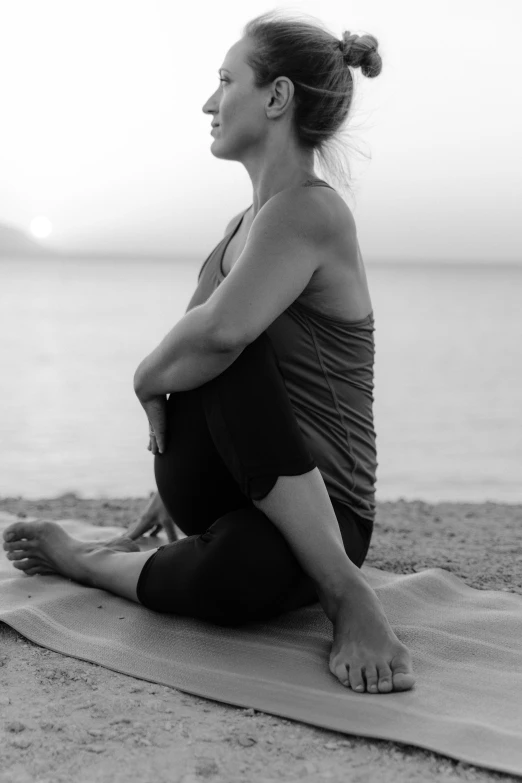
(331, 745)
(246, 741)
(4, 701)
(168, 726)
(249, 713)
(206, 768)
(21, 742)
(95, 732)
(96, 748)
(120, 720)
(15, 726)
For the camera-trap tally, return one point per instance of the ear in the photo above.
(281, 97)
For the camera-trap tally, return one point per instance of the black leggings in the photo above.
(227, 443)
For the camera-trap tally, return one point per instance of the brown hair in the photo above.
(319, 66)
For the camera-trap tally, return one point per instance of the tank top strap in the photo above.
(317, 182)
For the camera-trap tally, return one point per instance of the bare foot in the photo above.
(366, 654)
(44, 547)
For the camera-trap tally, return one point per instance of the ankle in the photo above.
(345, 595)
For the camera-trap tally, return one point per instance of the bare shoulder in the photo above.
(317, 214)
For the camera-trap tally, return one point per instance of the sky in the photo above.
(102, 129)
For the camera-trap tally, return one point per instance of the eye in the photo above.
(223, 80)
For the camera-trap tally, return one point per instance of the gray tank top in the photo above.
(327, 366)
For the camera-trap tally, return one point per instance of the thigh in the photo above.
(228, 441)
(252, 421)
(194, 483)
(240, 569)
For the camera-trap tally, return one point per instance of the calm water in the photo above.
(448, 379)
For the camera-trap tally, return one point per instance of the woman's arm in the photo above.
(191, 354)
(287, 239)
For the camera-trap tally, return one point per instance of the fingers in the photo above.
(159, 439)
(156, 444)
(139, 528)
(170, 530)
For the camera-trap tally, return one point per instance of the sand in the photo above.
(62, 719)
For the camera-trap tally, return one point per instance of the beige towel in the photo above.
(466, 646)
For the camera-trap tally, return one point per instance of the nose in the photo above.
(209, 107)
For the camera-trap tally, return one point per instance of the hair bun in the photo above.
(360, 51)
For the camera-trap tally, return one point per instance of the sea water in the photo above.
(448, 376)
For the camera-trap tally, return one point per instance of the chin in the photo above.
(220, 154)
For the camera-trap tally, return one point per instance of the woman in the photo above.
(266, 443)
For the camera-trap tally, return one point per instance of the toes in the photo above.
(18, 543)
(403, 681)
(29, 562)
(356, 679)
(370, 672)
(17, 554)
(385, 684)
(40, 569)
(340, 671)
(19, 530)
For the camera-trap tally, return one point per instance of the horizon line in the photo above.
(108, 255)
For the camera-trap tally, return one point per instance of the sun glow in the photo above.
(41, 227)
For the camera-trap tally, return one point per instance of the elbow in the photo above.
(225, 339)
(139, 382)
(224, 342)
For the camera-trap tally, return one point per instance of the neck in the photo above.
(291, 167)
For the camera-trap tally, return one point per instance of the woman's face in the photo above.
(237, 106)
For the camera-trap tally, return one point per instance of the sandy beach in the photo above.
(63, 719)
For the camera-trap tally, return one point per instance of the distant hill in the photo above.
(15, 242)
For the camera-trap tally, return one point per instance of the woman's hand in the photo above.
(153, 443)
(156, 410)
(154, 517)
